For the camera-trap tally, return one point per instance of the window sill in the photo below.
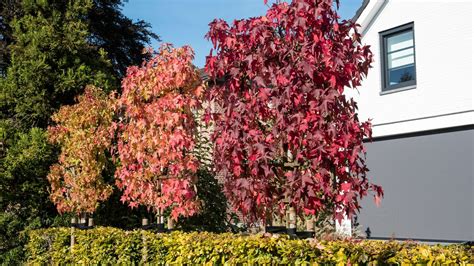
(411, 87)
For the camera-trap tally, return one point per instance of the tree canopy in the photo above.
(122, 38)
(82, 131)
(156, 133)
(285, 134)
(51, 63)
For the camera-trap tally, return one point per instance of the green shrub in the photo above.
(104, 245)
(212, 216)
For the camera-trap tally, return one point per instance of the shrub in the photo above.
(104, 245)
(213, 213)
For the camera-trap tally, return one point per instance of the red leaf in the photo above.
(253, 157)
(237, 170)
(332, 81)
(346, 186)
(377, 200)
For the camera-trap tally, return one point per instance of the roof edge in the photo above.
(366, 14)
(360, 10)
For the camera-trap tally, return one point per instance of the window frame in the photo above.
(383, 36)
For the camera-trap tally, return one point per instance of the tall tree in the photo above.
(285, 133)
(51, 62)
(156, 133)
(52, 56)
(122, 38)
(82, 130)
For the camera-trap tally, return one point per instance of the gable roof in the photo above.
(360, 10)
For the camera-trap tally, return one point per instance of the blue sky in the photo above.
(185, 22)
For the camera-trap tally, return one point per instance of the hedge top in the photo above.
(104, 245)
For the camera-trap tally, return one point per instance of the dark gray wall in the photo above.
(428, 184)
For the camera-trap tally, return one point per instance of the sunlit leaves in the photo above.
(283, 128)
(82, 131)
(156, 132)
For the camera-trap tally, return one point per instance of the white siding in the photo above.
(443, 96)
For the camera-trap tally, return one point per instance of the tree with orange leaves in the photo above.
(155, 133)
(82, 131)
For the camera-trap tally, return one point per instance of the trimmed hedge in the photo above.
(105, 245)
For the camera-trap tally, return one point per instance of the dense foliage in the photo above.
(156, 133)
(108, 28)
(9, 9)
(82, 131)
(284, 131)
(51, 57)
(212, 216)
(114, 246)
(51, 63)
(24, 201)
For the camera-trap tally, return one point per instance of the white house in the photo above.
(419, 95)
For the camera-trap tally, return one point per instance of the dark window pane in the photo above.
(401, 74)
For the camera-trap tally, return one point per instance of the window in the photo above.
(398, 58)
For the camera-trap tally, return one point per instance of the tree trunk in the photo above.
(82, 220)
(144, 244)
(90, 222)
(170, 223)
(73, 237)
(310, 224)
(292, 218)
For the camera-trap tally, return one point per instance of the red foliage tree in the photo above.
(155, 133)
(82, 131)
(283, 128)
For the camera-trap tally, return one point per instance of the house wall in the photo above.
(443, 96)
(422, 153)
(428, 184)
